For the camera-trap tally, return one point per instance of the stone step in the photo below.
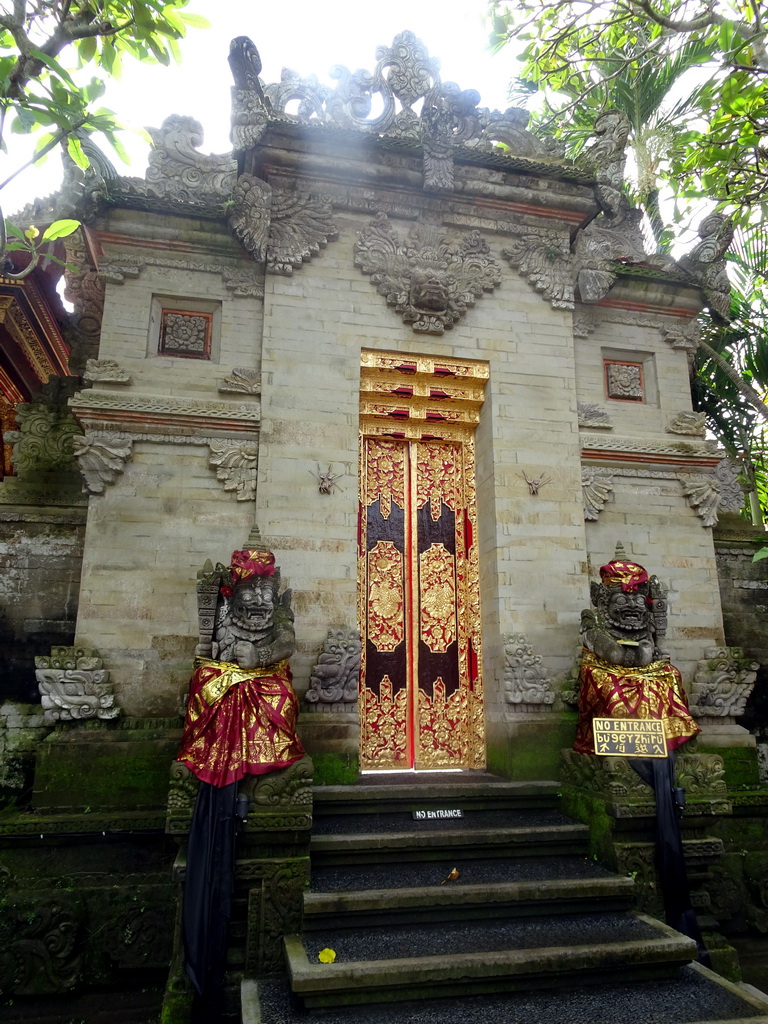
(694, 996)
(420, 962)
(468, 791)
(419, 844)
(396, 820)
(472, 871)
(379, 907)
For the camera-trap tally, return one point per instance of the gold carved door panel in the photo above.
(421, 700)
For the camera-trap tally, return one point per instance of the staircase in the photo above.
(499, 907)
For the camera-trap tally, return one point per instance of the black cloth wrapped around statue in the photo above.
(208, 889)
(659, 774)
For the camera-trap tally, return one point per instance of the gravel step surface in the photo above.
(402, 821)
(401, 941)
(355, 877)
(692, 998)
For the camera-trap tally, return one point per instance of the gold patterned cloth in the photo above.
(613, 691)
(239, 721)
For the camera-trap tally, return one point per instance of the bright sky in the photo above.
(306, 35)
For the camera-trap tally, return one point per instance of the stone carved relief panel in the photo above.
(74, 685)
(335, 678)
(592, 416)
(527, 684)
(428, 278)
(101, 455)
(105, 371)
(242, 381)
(597, 488)
(185, 333)
(42, 943)
(47, 428)
(722, 683)
(624, 381)
(712, 493)
(690, 423)
(236, 464)
(544, 260)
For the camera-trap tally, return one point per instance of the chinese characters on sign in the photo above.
(629, 737)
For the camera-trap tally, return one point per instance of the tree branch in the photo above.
(749, 394)
(693, 25)
(57, 138)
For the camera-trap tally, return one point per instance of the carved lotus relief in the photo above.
(428, 278)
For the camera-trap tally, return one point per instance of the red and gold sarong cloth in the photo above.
(613, 691)
(239, 721)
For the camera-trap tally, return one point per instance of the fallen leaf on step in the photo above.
(326, 956)
(451, 877)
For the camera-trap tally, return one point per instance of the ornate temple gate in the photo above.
(421, 693)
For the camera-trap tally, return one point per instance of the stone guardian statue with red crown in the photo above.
(242, 711)
(240, 722)
(624, 673)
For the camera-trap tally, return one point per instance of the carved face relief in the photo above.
(253, 607)
(429, 291)
(626, 611)
(430, 278)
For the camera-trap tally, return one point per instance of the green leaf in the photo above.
(54, 65)
(24, 122)
(75, 150)
(14, 231)
(194, 20)
(758, 555)
(60, 229)
(86, 49)
(118, 147)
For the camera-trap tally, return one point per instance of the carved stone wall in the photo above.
(743, 586)
(74, 926)
(42, 530)
(21, 730)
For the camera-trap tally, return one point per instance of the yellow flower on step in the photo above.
(326, 956)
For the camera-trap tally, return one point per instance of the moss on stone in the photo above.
(534, 752)
(177, 1004)
(591, 811)
(723, 957)
(335, 769)
(101, 771)
(741, 768)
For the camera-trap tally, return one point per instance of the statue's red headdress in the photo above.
(629, 575)
(251, 562)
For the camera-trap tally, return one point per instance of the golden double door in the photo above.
(421, 702)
